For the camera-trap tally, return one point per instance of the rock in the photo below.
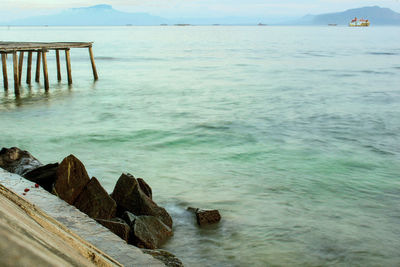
(117, 226)
(129, 218)
(130, 197)
(145, 188)
(169, 259)
(205, 217)
(17, 161)
(149, 232)
(95, 201)
(44, 175)
(71, 179)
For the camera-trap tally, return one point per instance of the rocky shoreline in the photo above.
(129, 211)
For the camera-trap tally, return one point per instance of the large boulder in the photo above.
(44, 176)
(95, 201)
(130, 197)
(71, 179)
(117, 226)
(149, 232)
(17, 161)
(169, 259)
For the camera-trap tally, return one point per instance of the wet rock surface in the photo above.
(130, 197)
(169, 259)
(44, 176)
(149, 232)
(205, 217)
(95, 201)
(18, 161)
(71, 179)
(120, 228)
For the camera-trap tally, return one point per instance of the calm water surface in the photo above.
(293, 133)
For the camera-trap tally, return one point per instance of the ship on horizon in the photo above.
(359, 22)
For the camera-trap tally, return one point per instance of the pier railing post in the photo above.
(21, 62)
(45, 73)
(93, 64)
(16, 79)
(68, 61)
(5, 77)
(37, 76)
(58, 65)
(29, 68)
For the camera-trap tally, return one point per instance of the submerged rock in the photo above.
(130, 197)
(205, 217)
(169, 259)
(117, 226)
(18, 161)
(44, 176)
(149, 232)
(95, 201)
(71, 179)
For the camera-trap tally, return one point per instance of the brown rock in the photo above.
(95, 201)
(149, 232)
(130, 197)
(169, 259)
(71, 179)
(43, 176)
(145, 187)
(118, 227)
(205, 217)
(17, 161)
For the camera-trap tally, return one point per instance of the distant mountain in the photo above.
(99, 15)
(375, 14)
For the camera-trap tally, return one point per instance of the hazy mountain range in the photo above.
(105, 15)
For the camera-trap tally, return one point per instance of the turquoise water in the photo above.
(293, 133)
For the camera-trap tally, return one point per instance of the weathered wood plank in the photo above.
(29, 68)
(93, 64)
(5, 77)
(39, 57)
(16, 79)
(21, 62)
(68, 61)
(58, 65)
(11, 46)
(45, 73)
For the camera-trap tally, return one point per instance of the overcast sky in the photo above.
(11, 9)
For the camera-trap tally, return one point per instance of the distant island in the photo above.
(376, 15)
(106, 15)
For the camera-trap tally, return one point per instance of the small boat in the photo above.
(332, 24)
(359, 22)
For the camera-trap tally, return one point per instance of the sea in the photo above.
(291, 132)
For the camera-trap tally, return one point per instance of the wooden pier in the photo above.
(41, 50)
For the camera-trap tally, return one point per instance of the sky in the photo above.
(13, 9)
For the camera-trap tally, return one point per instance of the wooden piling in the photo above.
(29, 68)
(16, 79)
(93, 64)
(21, 62)
(5, 77)
(58, 65)
(37, 76)
(45, 73)
(68, 61)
